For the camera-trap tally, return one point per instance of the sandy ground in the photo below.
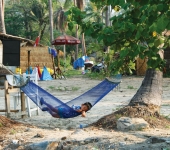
(54, 129)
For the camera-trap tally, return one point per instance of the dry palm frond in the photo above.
(61, 20)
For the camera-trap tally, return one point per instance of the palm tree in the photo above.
(33, 15)
(39, 13)
(51, 19)
(60, 19)
(80, 4)
(2, 23)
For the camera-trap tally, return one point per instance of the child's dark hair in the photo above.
(89, 105)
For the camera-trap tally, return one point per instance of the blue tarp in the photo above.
(79, 63)
(46, 75)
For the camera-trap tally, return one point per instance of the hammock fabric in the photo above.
(65, 110)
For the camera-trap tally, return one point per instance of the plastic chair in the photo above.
(33, 78)
(117, 78)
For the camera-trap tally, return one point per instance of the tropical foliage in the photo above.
(29, 19)
(137, 32)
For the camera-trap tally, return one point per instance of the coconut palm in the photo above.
(80, 4)
(2, 23)
(60, 18)
(33, 15)
(51, 19)
(39, 13)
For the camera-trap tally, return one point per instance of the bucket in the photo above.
(48, 69)
(51, 71)
(18, 70)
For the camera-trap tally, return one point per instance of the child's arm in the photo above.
(79, 110)
(83, 114)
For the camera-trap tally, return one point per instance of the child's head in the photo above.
(86, 106)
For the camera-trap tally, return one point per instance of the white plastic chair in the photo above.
(117, 78)
(33, 78)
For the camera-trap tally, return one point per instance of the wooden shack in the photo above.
(38, 56)
(15, 53)
(141, 64)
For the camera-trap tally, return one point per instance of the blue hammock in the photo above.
(65, 110)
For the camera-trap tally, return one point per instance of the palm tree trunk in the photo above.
(74, 2)
(51, 20)
(107, 16)
(80, 4)
(77, 50)
(2, 23)
(42, 31)
(150, 92)
(83, 45)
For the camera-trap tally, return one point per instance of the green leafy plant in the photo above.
(117, 116)
(75, 88)
(1, 125)
(167, 127)
(72, 73)
(12, 131)
(59, 88)
(51, 87)
(95, 75)
(166, 148)
(130, 87)
(66, 89)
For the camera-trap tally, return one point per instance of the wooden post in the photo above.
(58, 58)
(7, 100)
(29, 61)
(83, 45)
(77, 50)
(7, 91)
(53, 66)
(64, 46)
(4, 110)
(23, 109)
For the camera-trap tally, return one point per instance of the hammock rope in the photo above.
(94, 95)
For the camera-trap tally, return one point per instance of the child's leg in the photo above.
(52, 110)
(54, 114)
(48, 106)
